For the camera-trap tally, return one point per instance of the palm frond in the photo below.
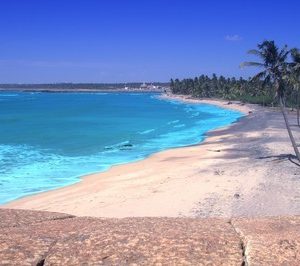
(259, 76)
(255, 64)
(283, 54)
(266, 81)
(254, 52)
(295, 54)
(273, 62)
(257, 53)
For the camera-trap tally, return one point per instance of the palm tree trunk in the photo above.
(298, 108)
(282, 107)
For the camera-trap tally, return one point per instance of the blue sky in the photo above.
(121, 41)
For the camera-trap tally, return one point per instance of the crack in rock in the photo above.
(243, 245)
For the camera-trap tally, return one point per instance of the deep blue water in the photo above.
(48, 140)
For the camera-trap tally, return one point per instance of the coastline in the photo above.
(204, 182)
(235, 105)
(60, 90)
(140, 150)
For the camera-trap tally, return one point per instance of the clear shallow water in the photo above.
(48, 140)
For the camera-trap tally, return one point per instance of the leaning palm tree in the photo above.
(293, 77)
(273, 63)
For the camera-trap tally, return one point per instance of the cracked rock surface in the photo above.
(44, 238)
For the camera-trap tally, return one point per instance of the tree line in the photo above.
(251, 90)
(277, 82)
(225, 88)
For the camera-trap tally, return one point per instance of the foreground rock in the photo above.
(270, 241)
(43, 238)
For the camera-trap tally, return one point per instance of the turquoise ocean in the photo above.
(49, 140)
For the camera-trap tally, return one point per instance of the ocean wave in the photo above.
(195, 114)
(27, 169)
(189, 109)
(173, 122)
(146, 131)
(8, 95)
(119, 146)
(179, 126)
(96, 93)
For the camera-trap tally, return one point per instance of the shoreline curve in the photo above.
(33, 201)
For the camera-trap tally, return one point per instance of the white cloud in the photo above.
(233, 38)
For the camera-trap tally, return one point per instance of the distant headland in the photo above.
(89, 87)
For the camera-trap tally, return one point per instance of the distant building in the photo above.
(152, 87)
(144, 86)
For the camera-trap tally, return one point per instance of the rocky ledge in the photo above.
(45, 238)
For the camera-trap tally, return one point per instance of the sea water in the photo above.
(49, 140)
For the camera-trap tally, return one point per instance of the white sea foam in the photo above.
(117, 145)
(147, 131)
(173, 122)
(179, 126)
(40, 166)
(8, 95)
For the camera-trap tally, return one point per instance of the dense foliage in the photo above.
(250, 91)
(225, 88)
(278, 79)
(258, 89)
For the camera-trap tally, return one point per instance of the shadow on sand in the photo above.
(281, 157)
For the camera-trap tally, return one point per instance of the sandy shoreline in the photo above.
(237, 106)
(239, 170)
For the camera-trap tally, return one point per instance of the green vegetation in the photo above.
(252, 90)
(278, 82)
(293, 77)
(225, 88)
(276, 70)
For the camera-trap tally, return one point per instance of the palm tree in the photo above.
(273, 63)
(293, 77)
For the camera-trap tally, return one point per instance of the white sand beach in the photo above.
(246, 169)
